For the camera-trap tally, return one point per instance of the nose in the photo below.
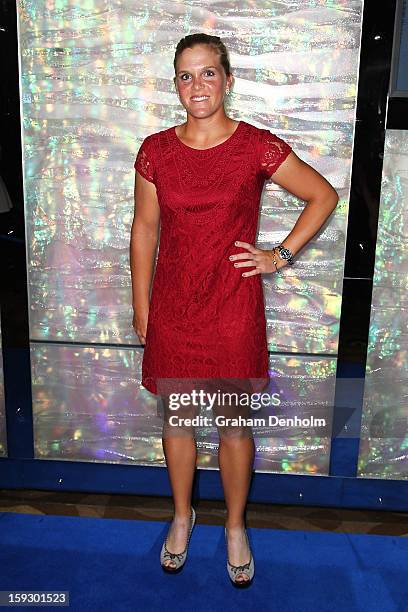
(197, 83)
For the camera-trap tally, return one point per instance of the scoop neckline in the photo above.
(221, 144)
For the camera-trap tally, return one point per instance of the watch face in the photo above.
(284, 253)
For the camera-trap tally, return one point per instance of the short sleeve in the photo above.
(273, 153)
(144, 162)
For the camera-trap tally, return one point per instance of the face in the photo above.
(201, 81)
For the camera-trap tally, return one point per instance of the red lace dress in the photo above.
(206, 321)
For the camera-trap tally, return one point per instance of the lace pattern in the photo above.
(205, 320)
(274, 151)
(143, 163)
(202, 175)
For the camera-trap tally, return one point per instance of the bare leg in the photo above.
(236, 457)
(180, 452)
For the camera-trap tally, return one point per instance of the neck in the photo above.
(203, 130)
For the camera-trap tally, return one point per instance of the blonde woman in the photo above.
(200, 183)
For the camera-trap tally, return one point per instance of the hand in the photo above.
(139, 323)
(262, 259)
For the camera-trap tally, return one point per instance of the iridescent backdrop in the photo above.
(86, 409)
(95, 80)
(383, 449)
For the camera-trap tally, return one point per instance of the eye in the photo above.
(210, 72)
(184, 75)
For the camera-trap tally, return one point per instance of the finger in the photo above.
(244, 255)
(252, 272)
(245, 264)
(246, 245)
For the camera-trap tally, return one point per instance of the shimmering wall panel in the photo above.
(89, 405)
(3, 430)
(96, 81)
(384, 434)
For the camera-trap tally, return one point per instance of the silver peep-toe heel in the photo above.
(178, 558)
(248, 568)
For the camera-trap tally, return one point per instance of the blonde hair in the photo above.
(204, 39)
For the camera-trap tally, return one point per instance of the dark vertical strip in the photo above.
(13, 286)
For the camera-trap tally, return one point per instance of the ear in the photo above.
(230, 81)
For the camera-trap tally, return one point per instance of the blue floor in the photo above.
(113, 565)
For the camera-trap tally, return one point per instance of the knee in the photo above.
(233, 435)
(178, 422)
(177, 431)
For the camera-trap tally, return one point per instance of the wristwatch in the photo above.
(285, 253)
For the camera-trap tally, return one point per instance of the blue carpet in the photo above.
(113, 565)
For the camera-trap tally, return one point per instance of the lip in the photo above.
(204, 100)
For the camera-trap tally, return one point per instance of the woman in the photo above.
(201, 183)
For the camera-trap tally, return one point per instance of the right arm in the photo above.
(143, 244)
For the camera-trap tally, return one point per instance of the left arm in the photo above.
(303, 181)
